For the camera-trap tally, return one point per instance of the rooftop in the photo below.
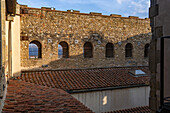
(24, 97)
(86, 79)
(144, 109)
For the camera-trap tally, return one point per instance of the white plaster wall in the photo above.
(111, 100)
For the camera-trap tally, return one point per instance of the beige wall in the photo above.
(110, 100)
(16, 46)
(15, 33)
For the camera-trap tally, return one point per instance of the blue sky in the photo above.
(106, 7)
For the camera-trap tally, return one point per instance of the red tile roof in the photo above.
(26, 97)
(86, 78)
(144, 109)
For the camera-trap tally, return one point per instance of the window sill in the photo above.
(128, 58)
(109, 57)
(35, 58)
(88, 58)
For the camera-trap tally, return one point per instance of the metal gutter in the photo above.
(107, 88)
(41, 70)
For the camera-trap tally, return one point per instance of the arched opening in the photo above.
(35, 49)
(63, 50)
(109, 50)
(88, 50)
(128, 50)
(146, 50)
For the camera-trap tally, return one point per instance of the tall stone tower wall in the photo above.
(50, 27)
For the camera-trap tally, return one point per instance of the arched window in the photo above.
(128, 50)
(63, 50)
(109, 50)
(146, 51)
(35, 49)
(88, 50)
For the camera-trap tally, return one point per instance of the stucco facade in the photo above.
(10, 40)
(112, 100)
(50, 27)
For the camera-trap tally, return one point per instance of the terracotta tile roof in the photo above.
(144, 109)
(85, 78)
(26, 97)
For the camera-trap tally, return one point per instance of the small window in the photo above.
(128, 50)
(88, 50)
(63, 50)
(35, 49)
(146, 51)
(109, 50)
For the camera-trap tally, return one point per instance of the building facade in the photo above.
(10, 43)
(88, 40)
(159, 16)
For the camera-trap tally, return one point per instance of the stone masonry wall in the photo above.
(72, 26)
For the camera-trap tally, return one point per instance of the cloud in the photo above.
(119, 1)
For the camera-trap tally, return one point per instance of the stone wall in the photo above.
(159, 16)
(3, 54)
(50, 27)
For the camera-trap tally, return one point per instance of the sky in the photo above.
(125, 8)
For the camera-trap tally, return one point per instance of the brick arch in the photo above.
(88, 50)
(32, 51)
(129, 50)
(65, 49)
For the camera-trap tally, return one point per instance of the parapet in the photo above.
(115, 15)
(78, 12)
(95, 13)
(134, 17)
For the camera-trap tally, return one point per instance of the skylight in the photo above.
(137, 73)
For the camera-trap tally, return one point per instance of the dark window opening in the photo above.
(88, 50)
(63, 50)
(146, 51)
(109, 50)
(128, 50)
(35, 49)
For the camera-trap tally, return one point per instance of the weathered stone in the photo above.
(94, 27)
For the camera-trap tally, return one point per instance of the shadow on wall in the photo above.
(134, 55)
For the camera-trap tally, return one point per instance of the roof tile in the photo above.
(27, 97)
(144, 109)
(85, 78)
